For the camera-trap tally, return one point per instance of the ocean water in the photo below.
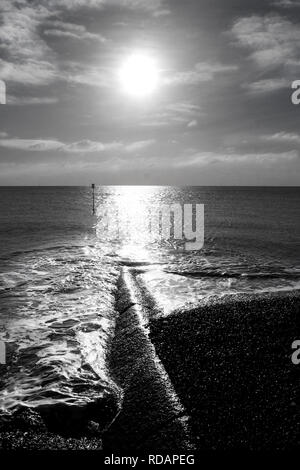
(59, 267)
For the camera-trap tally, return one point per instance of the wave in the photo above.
(237, 275)
(66, 247)
(57, 324)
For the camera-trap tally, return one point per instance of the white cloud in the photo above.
(70, 30)
(28, 58)
(178, 113)
(192, 124)
(148, 5)
(33, 145)
(284, 137)
(267, 85)
(89, 146)
(202, 72)
(31, 72)
(19, 30)
(139, 145)
(204, 158)
(271, 40)
(287, 3)
(30, 100)
(83, 146)
(183, 108)
(87, 75)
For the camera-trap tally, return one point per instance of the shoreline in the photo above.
(217, 358)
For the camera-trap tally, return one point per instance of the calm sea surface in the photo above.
(59, 268)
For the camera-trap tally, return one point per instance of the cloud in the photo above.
(28, 59)
(30, 100)
(153, 5)
(183, 108)
(148, 5)
(283, 137)
(271, 40)
(31, 72)
(19, 30)
(287, 3)
(204, 158)
(33, 145)
(202, 72)
(267, 86)
(140, 145)
(91, 75)
(58, 33)
(192, 124)
(62, 29)
(89, 146)
(83, 146)
(178, 113)
(41, 66)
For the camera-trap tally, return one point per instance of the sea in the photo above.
(60, 265)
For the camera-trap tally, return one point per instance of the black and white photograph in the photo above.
(149, 229)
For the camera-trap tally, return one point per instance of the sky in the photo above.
(220, 114)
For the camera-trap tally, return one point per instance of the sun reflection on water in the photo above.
(129, 209)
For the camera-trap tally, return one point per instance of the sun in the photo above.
(139, 75)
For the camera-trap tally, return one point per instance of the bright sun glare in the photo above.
(139, 75)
